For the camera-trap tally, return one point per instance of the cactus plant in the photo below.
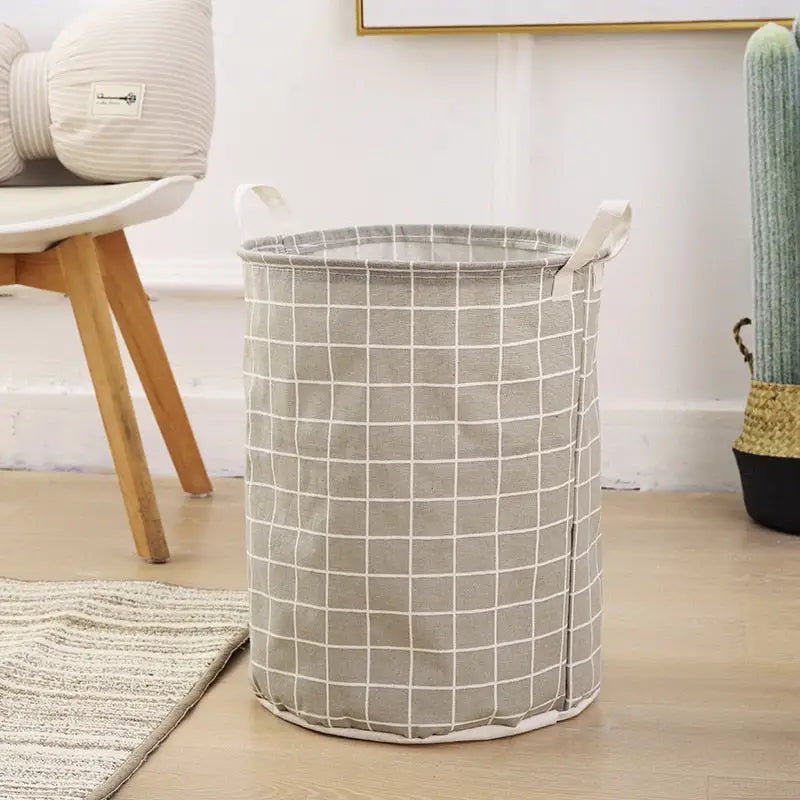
(768, 451)
(772, 70)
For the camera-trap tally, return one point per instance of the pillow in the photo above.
(124, 94)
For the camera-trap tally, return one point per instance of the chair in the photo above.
(71, 240)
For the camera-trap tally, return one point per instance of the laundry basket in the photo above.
(422, 480)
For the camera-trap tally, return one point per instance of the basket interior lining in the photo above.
(421, 244)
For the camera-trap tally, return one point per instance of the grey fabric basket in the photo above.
(422, 484)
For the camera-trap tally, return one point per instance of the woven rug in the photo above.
(94, 675)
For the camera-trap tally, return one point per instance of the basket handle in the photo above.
(610, 231)
(743, 349)
(272, 199)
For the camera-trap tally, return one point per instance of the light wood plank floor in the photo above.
(701, 697)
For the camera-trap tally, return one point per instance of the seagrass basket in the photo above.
(768, 450)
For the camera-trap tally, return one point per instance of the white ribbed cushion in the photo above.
(157, 51)
(12, 43)
(30, 114)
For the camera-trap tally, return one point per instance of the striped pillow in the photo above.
(126, 93)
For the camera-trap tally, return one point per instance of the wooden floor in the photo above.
(701, 697)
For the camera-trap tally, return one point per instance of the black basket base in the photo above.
(771, 489)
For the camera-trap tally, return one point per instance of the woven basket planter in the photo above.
(423, 494)
(768, 451)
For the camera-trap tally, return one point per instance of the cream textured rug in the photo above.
(95, 674)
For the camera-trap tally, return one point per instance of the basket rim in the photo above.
(317, 248)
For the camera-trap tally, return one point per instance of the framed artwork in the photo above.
(505, 16)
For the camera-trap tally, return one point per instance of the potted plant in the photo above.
(768, 451)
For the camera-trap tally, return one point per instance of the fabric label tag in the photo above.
(117, 100)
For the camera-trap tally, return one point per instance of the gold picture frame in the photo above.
(705, 25)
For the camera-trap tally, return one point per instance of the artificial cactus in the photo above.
(768, 451)
(772, 71)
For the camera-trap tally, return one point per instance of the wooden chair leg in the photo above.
(131, 308)
(8, 270)
(84, 284)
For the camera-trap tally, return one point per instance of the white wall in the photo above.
(479, 128)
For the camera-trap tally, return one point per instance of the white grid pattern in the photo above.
(413, 569)
(410, 703)
(454, 530)
(539, 481)
(499, 494)
(584, 663)
(570, 510)
(366, 509)
(328, 514)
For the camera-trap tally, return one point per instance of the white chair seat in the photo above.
(33, 218)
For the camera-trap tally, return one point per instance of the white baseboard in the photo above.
(672, 447)
(649, 448)
(190, 277)
(63, 432)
